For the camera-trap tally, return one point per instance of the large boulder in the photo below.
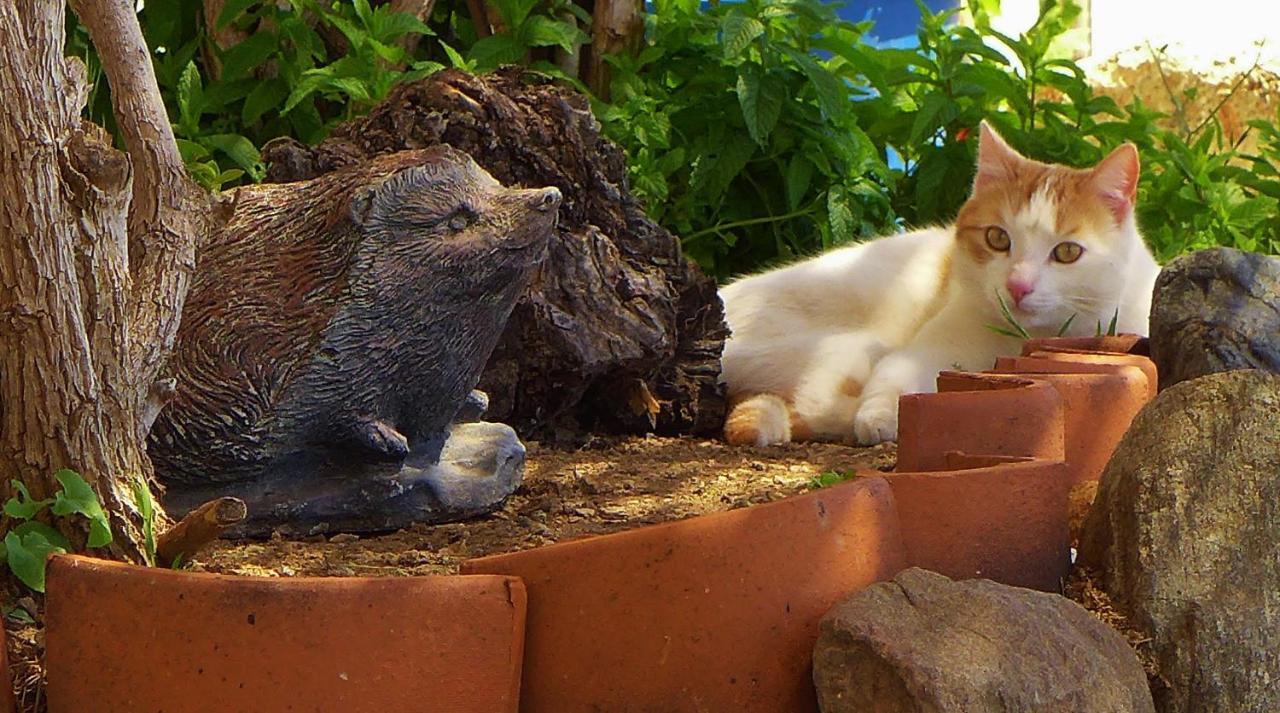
(924, 643)
(1216, 310)
(1185, 534)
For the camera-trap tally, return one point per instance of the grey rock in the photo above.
(923, 643)
(1216, 310)
(1185, 534)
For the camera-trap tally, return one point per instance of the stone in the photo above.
(923, 643)
(1216, 310)
(334, 332)
(1185, 537)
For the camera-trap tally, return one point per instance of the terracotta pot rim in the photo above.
(76, 561)
(1013, 463)
(1003, 382)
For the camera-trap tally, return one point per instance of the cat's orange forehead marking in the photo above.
(1078, 210)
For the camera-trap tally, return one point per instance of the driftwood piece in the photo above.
(200, 527)
(333, 333)
(615, 303)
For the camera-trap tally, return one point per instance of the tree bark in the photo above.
(96, 250)
(617, 27)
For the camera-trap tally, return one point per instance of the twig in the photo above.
(1179, 111)
(1257, 62)
(200, 527)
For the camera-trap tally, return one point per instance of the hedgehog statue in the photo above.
(330, 342)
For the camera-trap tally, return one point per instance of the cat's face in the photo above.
(1051, 241)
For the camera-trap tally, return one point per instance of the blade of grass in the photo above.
(1066, 325)
(1008, 316)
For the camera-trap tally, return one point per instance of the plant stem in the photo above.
(751, 221)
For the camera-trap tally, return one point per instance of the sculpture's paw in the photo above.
(383, 441)
(875, 423)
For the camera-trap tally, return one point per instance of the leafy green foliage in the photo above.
(758, 131)
(742, 140)
(28, 544)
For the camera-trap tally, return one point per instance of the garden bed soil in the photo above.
(610, 485)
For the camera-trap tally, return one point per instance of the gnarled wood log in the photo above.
(615, 304)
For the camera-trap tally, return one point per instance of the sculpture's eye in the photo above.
(462, 217)
(997, 239)
(1067, 252)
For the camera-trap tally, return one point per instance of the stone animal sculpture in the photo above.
(333, 332)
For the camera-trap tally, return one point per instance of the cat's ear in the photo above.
(997, 161)
(1116, 181)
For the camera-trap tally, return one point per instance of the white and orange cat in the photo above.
(822, 349)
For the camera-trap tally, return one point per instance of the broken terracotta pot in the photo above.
(996, 517)
(125, 638)
(1100, 401)
(714, 613)
(990, 414)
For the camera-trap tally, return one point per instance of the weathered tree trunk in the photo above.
(617, 331)
(96, 251)
(617, 27)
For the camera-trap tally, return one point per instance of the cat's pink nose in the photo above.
(1018, 290)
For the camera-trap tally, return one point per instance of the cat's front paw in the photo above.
(876, 423)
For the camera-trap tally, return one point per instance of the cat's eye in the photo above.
(997, 239)
(1067, 252)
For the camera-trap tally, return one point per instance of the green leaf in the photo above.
(394, 25)
(238, 149)
(265, 96)
(1019, 330)
(738, 32)
(935, 111)
(21, 506)
(494, 51)
(230, 11)
(542, 31)
(55, 538)
(1066, 325)
(26, 555)
(833, 94)
(311, 81)
(146, 507)
(190, 99)
(514, 12)
(77, 496)
(242, 59)
(760, 96)
(456, 60)
(840, 216)
(799, 177)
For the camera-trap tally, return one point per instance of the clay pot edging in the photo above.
(993, 517)
(714, 613)
(995, 414)
(1126, 343)
(212, 643)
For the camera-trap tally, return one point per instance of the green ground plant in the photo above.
(758, 131)
(30, 541)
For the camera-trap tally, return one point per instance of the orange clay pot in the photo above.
(999, 518)
(716, 613)
(131, 639)
(1099, 402)
(991, 414)
(1104, 361)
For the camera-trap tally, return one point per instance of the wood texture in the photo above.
(95, 251)
(615, 303)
